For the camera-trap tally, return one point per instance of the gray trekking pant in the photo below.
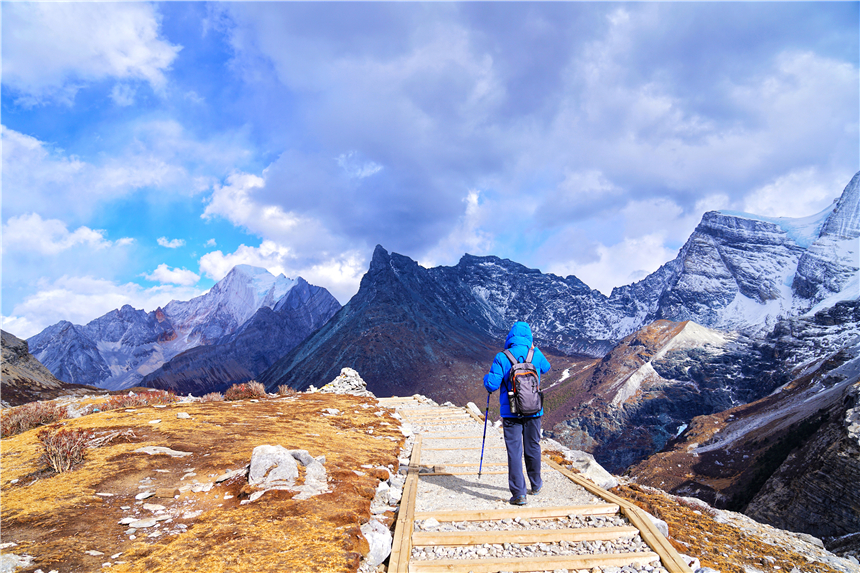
(522, 440)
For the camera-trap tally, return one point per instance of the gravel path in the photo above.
(452, 444)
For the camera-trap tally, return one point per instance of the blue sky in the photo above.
(148, 148)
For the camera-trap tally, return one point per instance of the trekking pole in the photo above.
(484, 439)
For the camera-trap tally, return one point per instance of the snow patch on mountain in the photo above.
(803, 231)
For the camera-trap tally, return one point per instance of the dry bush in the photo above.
(285, 390)
(257, 388)
(212, 397)
(252, 389)
(132, 400)
(63, 448)
(22, 418)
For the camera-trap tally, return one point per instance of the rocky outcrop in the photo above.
(25, 379)
(815, 489)
(347, 382)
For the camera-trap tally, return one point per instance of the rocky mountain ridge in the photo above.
(118, 349)
(25, 379)
(734, 273)
(252, 348)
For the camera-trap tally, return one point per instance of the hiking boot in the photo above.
(535, 491)
(517, 500)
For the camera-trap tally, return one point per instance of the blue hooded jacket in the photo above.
(519, 341)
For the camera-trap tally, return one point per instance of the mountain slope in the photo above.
(399, 332)
(791, 458)
(118, 349)
(246, 353)
(24, 379)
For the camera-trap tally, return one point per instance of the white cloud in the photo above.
(50, 50)
(165, 275)
(123, 95)
(468, 236)
(210, 243)
(355, 168)
(159, 156)
(800, 193)
(618, 264)
(340, 274)
(80, 299)
(30, 233)
(171, 244)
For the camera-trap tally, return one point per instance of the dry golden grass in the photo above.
(717, 545)
(56, 518)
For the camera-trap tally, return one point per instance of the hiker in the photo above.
(522, 431)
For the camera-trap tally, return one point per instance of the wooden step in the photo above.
(524, 513)
(532, 563)
(523, 537)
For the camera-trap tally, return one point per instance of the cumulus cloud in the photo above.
(608, 108)
(340, 274)
(50, 50)
(165, 275)
(80, 299)
(158, 156)
(30, 233)
(619, 264)
(170, 244)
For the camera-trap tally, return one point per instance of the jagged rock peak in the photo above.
(844, 222)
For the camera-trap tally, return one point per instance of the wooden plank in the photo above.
(533, 563)
(655, 540)
(528, 536)
(524, 513)
(401, 547)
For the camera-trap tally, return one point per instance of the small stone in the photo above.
(127, 520)
(430, 523)
(144, 495)
(183, 415)
(94, 553)
(156, 421)
(141, 523)
(153, 507)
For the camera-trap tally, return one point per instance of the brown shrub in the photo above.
(63, 448)
(22, 418)
(212, 397)
(285, 390)
(252, 389)
(132, 400)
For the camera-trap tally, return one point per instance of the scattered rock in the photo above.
(141, 523)
(166, 492)
(379, 539)
(153, 507)
(230, 473)
(183, 415)
(144, 495)
(9, 562)
(156, 450)
(272, 466)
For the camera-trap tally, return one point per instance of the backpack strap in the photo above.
(530, 355)
(511, 357)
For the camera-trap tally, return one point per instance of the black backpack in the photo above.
(524, 393)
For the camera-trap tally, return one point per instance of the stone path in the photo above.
(452, 520)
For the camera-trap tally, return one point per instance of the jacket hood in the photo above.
(520, 335)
